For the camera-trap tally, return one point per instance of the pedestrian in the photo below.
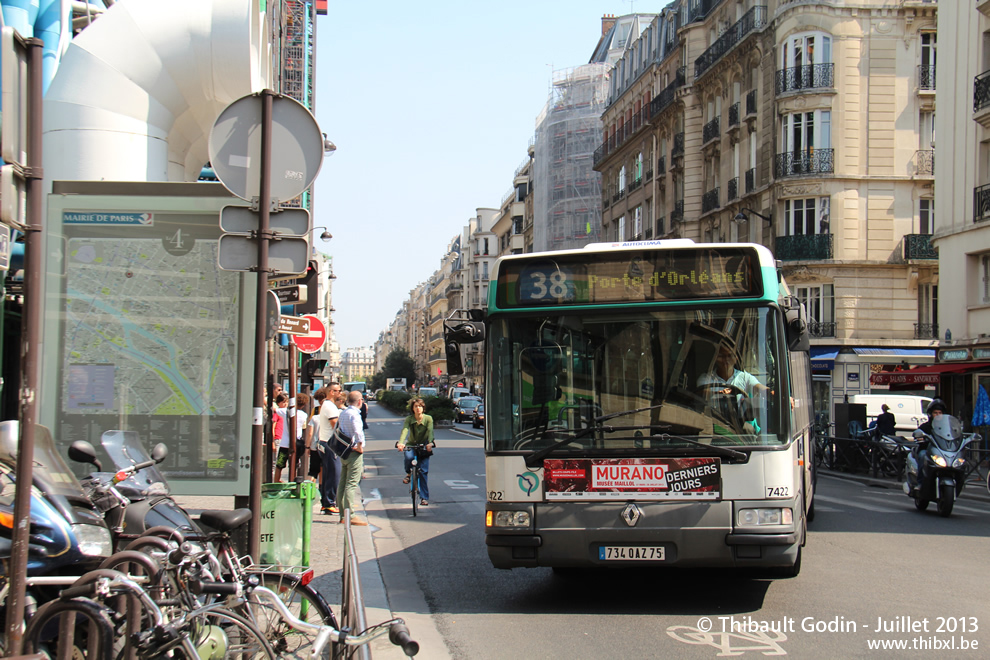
(309, 439)
(417, 431)
(280, 433)
(352, 467)
(285, 445)
(886, 424)
(330, 465)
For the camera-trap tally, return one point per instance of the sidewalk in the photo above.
(327, 560)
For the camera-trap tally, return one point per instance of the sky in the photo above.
(431, 106)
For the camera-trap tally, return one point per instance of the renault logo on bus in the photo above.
(631, 514)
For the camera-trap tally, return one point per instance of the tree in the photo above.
(377, 381)
(399, 364)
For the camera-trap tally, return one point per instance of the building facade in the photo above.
(357, 364)
(809, 128)
(962, 237)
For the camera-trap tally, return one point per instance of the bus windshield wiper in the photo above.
(536, 458)
(725, 451)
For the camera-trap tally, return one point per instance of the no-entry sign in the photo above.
(313, 341)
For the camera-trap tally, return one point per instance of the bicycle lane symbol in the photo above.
(731, 643)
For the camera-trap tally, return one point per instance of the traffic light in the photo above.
(310, 279)
(314, 369)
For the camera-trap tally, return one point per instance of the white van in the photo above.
(909, 410)
(457, 392)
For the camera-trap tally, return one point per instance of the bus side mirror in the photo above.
(455, 366)
(796, 326)
(456, 333)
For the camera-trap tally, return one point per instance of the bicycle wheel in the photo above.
(304, 602)
(218, 633)
(76, 628)
(414, 488)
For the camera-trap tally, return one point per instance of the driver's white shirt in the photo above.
(743, 380)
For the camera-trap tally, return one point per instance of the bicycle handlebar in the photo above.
(398, 634)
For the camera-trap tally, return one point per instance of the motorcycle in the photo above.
(936, 467)
(136, 498)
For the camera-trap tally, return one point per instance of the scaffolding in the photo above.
(568, 202)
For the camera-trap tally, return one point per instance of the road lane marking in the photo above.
(459, 484)
(858, 505)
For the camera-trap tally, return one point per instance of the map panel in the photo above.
(150, 344)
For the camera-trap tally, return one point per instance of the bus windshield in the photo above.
(646, 381)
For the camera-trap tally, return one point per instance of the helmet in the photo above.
(936, 404)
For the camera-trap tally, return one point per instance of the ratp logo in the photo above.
(528, 481)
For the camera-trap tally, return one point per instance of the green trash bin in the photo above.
(286, 523)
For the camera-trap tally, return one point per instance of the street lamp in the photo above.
(741, 216)
(326, 235)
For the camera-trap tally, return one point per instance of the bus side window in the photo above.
(801, 412)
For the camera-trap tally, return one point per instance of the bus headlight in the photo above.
(750, 517)
(508, 519)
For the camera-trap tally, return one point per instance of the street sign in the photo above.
(294, 325)
(292, 295)
(244, 220)
(14, 97)
(296, 153)
(315, 339)
(4, 247)
(273, 312)
(240, 252)
(13, 197)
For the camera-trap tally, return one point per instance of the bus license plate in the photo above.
(631, 553)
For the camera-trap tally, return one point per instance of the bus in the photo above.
(647, 403)
(360, 386)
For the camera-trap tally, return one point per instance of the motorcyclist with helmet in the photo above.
(935, 410)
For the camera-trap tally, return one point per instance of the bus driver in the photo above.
(727, 375)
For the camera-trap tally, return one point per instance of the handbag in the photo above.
(339, 444)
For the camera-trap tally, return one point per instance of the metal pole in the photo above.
(290, 416)
(31, 345)
(257, 431)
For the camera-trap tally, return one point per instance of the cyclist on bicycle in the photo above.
(417, 431)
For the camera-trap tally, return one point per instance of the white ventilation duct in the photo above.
(137, 92)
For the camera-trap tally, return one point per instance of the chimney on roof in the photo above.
(608, 22)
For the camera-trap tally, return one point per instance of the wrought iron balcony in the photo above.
(981, 203)
(803, 247)
(751, 102)
(678, 149)
(752, 20)
(711, 131)
(661, 165)
(661, 225)
(821, 328)
(919, 246)
(677, 214)
(648, 176)
(733, 189)
(709, 201)
(926, 77)
(924, 161)
(750, 180)
(635, 183)
(606, 201)
(981, 91)
(734, 114)
(926, 330)
(667, 94)
(648, 232)
(698, 9)
(807, 76)
(809, 161)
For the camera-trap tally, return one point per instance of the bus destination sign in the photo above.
(629, 276)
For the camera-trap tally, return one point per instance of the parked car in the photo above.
(466, 406)
(478, 418)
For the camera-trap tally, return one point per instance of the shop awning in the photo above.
(929, 375)
(901, 352)
(823, 357)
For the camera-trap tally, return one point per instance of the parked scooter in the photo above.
(936, 468)
(135, 498)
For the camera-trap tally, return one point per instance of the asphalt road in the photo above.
(874, 571)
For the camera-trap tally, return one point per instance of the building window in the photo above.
(985, 263)
(639, 166)
(800, 216)
(484, 270)
(638, 222)
(819, 302)
(807, 131)
(927, 304)
(622, 178)
(806, 49)
(926, 216)
(620, 227)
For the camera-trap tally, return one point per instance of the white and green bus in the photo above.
(647, 403)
